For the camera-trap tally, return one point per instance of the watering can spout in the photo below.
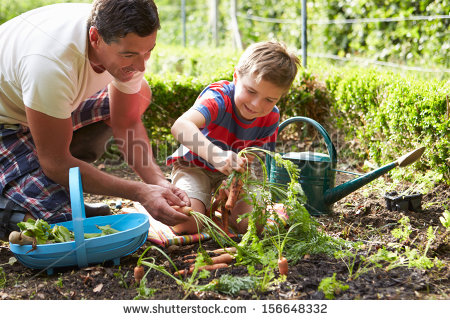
(339, 192)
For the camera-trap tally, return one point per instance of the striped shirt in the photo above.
(225, 128)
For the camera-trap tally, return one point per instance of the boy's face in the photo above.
(124, 57)
(255, 99)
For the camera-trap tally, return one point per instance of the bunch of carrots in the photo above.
(223, 257)
(224, 203)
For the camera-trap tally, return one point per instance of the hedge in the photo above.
(391, 114)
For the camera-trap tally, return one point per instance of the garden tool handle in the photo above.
(330, 147)
(78, 215)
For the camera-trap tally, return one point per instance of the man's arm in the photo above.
(130, 133)
(52, 137)
(132, 138)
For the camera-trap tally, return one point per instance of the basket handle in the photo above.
(330, 147)
(78, 215)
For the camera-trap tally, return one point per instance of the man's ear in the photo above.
(94, 37)
(235, 76)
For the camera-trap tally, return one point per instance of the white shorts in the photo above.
(198, 183)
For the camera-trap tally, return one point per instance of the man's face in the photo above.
(255, 99)
(124, 57)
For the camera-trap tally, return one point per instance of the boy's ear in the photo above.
(235, 76)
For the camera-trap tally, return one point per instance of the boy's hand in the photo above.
(230, 161)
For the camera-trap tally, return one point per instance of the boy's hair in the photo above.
(270, 61)
(115, 19)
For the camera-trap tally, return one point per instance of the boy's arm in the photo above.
(186, 131)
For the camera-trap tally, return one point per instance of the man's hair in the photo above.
(115, 19)
(269, 61)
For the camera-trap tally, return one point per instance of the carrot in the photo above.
(283, 266)
(223, 258)
(186, 210)
(218, 201)
(138, 273)
(216, 251)
(225, 250)
(208, 267)
(235, 189)
(225, 215)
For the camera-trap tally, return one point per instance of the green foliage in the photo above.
(445, 219)
(231, 285)
(121, 278)
(417, 43)
(330, 286)
(412, 42)
(395, 255)
(391, 114)
(60, 283)
(404, 231)
(3, 275)
(143, 291)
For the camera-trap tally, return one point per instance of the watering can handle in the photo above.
(78, 215)
(330, 147)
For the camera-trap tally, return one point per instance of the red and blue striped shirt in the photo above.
(225, 128)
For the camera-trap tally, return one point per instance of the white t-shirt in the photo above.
(44, 63)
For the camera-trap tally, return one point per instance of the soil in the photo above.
(361, 216)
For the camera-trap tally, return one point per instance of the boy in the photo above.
(227, 117)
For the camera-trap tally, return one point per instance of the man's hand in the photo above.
(176, 191)
(157, 201)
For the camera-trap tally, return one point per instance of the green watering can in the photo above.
(318, 171)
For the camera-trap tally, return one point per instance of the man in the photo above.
(71, 75)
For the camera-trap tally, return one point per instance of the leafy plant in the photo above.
(122, 278)
(445, 219)
(59, 283)
(330, 286)
(3, 276)
(143, 291)
(232, 285)
(404, 232)
(189, 285)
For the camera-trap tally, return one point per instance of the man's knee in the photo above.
(89, 142)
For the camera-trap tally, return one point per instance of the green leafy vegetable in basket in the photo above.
(61, 234)
(38, 229)
(107, 230)
(41, 232)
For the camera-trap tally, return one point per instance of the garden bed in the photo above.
(360, 216)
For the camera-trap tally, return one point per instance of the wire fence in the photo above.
(355, 21)
(297, 23)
